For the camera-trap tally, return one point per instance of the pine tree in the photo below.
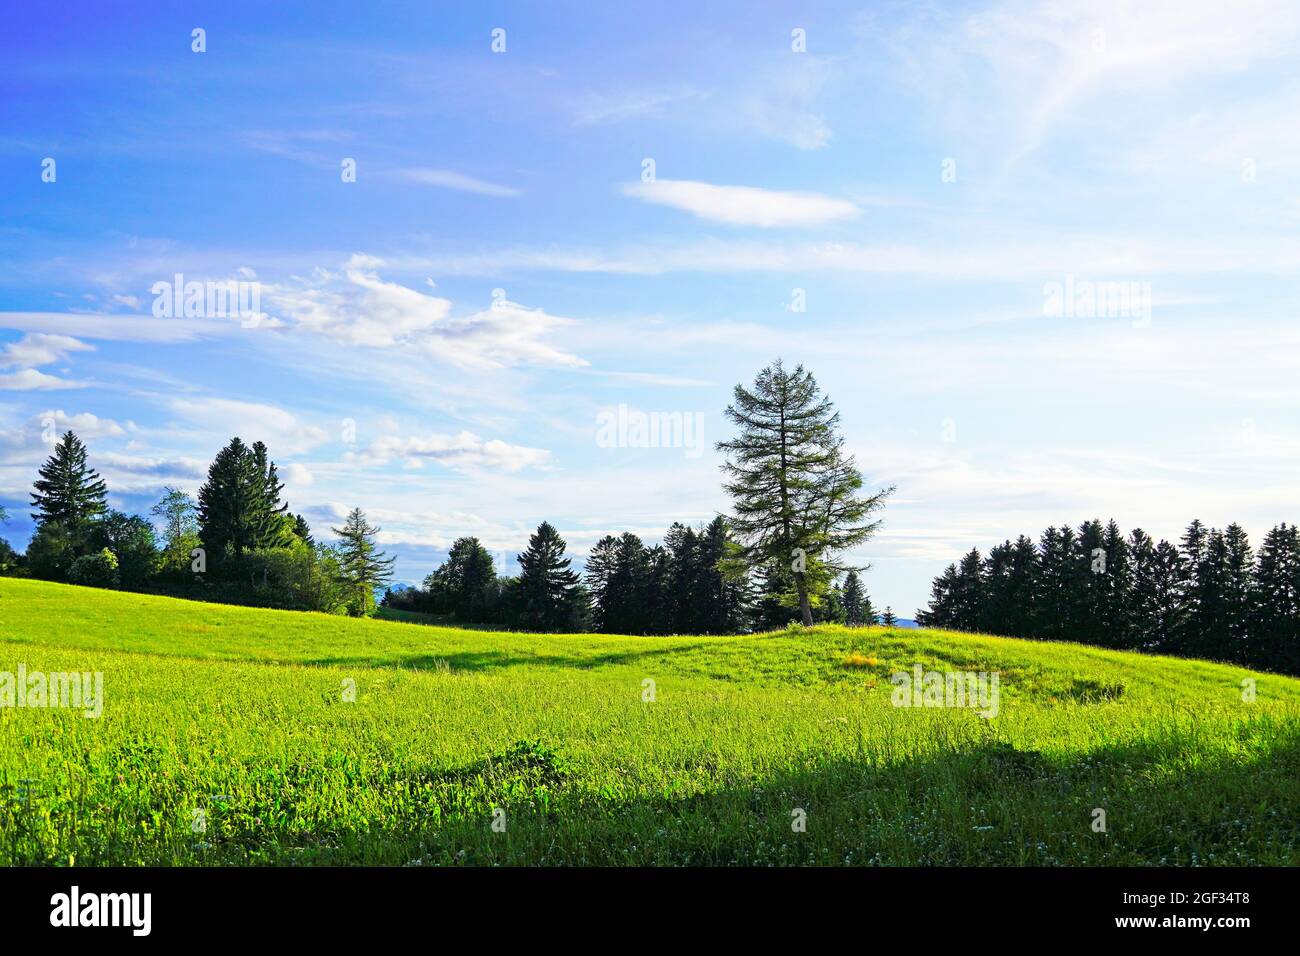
(465, 586)
(968, 593)
(597, 572)
(1143, 611)
(1116, 598)
(1239, 594)
(363, 568)
(547, 594)
(68, 492)
(1022, 587)
(1170, 609)
(1275, 640)
(941, 611)
(887, 619)
(854, 613)
(303, 530)
(794, 488)
(239, 504)
(721, 601)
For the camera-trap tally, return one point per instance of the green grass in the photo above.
(240, 713)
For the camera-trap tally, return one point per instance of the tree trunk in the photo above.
(805, 606)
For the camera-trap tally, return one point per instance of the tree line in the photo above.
(797, 507)
(237, 543)
(1210, 596)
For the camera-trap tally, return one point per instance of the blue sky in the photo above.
(437, 339)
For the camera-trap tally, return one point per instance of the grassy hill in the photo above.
(240, 713)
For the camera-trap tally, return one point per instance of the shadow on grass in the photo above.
(981, 803)
(497, 659)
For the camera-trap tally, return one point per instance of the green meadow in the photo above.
(237, 736)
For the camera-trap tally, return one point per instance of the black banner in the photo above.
(329, 905)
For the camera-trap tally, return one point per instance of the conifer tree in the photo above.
(794, 487)
(854, 612)
(547, 593)
(1276, 620)
(239, 505)
(887, 619)
(68, 492)
(363, 568)
(465, 586)
(598, 572)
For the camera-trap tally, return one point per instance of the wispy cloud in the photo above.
(744, 205)
(448, 179)
(464, 451)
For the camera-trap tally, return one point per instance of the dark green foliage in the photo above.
(547, 596)
(855, 601)
(676, 588)
(51, 551)
(132, 541)
(1210, 598)
(466, 585)
(68, 492)
(97, 570)
(239, 505)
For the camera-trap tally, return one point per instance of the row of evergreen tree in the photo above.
(237, 543)
(627, 587)
(1211, 596)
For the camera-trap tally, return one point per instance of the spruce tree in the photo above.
(854, 614)
(363, 568)
(1239, 594)
(68, 492)
(887, 619)
(968, 594)
(239, 505)
(794, 487)
(721, 601)
(597, 572)
(1275, 640)
(465, 586)
(547, 594)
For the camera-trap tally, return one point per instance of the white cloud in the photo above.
(86, 424)
(465, 451)
(41, 348)
(1027, 70)
(29, 380)
(298, 476)
(744, 205)
(223, 418)
(447, 179)
(360, 308)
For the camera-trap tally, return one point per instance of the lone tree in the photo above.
(548, 594)
(794, 487)
(68, 493)
(362, 567)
